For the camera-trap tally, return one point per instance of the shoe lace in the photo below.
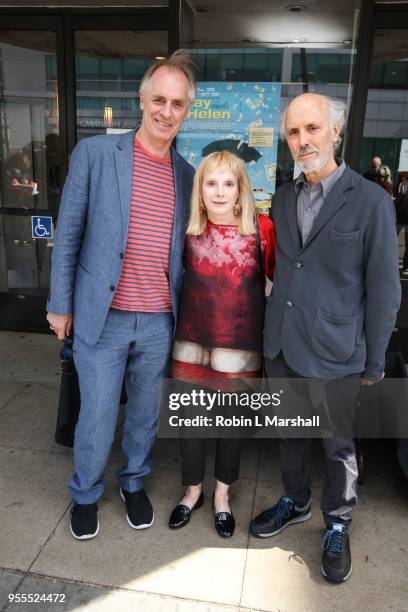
(280, 511)
(334, 540)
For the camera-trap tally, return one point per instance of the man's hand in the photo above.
(61, 324)
(366, 382)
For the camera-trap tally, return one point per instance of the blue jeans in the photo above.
(136, 345)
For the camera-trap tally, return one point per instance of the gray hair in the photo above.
(337, 115)
(179, 60)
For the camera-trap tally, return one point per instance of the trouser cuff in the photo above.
(227, 477)
(191, 479)
(329, 519)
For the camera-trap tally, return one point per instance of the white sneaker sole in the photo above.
(87, 536)
(300, 519)
(143, 526)
(337, 581)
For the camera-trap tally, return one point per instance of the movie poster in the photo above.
(239, 117)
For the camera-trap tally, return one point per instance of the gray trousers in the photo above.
(339, 496)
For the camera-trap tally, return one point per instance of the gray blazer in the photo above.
(335, 299)
(93, 226)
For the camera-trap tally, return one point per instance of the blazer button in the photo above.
(112, 287)
(121, 255)
(298, 264)
(289, 304)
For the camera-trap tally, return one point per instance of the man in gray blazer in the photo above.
(332, 309)
(116, 277)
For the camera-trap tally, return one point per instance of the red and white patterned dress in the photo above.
(222, 305)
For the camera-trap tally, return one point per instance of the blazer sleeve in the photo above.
(382, 285)
(69, 233)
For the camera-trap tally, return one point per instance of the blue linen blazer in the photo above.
(92, 230)
(334, 299)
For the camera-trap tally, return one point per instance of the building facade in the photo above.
(71, 72)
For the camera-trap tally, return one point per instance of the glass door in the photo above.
(31, 171)
(62, 78)
(111, 53)
(109, 66)
(385, 143)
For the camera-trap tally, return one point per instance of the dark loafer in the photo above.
(224, 523)
(181, 514)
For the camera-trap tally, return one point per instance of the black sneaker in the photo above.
(274, 520)
(336, 558)
(84, 521)
(140, 513)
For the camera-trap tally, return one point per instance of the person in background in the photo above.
(116, 276)
(401, 212)
(21, 185)
(383, 178)
(402, 183)
(371, 173)
(219, 333)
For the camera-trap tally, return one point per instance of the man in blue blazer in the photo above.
(116, 277)
(332, 310)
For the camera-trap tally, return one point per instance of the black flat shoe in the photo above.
(181, 514)
(224, 522)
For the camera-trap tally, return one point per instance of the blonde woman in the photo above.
(219, 333)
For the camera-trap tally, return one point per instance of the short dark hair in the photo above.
(179, 60)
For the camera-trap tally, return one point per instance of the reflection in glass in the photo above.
(29, 140)
(385, 143)
(109, 68)
(30, 168)
(24, 262)
(386, 120)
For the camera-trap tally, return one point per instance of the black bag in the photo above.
(69, 398)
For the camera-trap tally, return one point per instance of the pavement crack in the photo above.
(258, 464)
(49, 537)
(4, 406)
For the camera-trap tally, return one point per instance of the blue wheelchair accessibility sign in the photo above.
(41, 227)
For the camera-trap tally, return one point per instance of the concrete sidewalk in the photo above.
(158, 569)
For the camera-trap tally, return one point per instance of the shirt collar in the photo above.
(327, 183)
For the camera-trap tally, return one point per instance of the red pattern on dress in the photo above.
(222, 304)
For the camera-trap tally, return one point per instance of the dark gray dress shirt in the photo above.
(310, 198)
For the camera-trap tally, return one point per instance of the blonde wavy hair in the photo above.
(222, 160)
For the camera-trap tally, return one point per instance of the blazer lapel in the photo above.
(291, 217)
(177, 178)
(334, 201)
(124, 167)
(178, 200)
